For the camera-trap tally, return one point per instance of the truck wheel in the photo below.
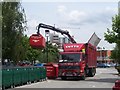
(63, 78)
(83, 77)
(92, 72)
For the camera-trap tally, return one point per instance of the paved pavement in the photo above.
(104, 78)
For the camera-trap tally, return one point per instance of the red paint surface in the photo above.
(52, 70)
(37, 41)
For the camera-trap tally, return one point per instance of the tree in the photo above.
(53, 53)
(27, 52)
(115, 55)
(113, 36)
(15, 46)
(0, 32)
(31, 54)
(13, 25)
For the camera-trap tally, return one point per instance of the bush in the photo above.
(118, 69)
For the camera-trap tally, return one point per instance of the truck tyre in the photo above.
(63, 78)
(92, 72)
(83, 77)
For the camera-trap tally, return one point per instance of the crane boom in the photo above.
(41, 25)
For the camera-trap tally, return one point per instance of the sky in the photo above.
(81, 19)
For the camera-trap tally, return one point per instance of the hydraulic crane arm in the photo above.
(41, 25)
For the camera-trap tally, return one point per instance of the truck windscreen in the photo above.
(70, 57)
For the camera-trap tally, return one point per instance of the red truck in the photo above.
(77, 60)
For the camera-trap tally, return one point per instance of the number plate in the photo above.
(69, 75)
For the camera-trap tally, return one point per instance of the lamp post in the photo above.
(99, 54)
(103, 54)
(47, 35)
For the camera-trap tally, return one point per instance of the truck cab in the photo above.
(71, 64)
(77, 61)
(72, 61)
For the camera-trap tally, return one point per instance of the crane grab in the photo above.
(41, 25)
(38, 41)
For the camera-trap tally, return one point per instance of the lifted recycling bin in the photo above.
(52, 70)
(37, 41)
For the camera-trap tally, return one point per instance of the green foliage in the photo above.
(0, 30)
(15, 46)
(32, 54)
(115, 55)
(13, 22)
(113, 36)
(53, 53)
(118, 69)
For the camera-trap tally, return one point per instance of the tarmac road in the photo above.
(104, 78)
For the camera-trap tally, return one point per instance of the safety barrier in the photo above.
(18, 76)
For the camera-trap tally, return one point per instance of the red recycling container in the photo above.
(117, 85)
(116, 88)
(52, 70)
(37, 41)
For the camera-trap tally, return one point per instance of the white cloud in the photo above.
(81, 17)
(62, 8)
(32, 23)
(92, 22)
(76, 16)
(89, 22)
(62, 11)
